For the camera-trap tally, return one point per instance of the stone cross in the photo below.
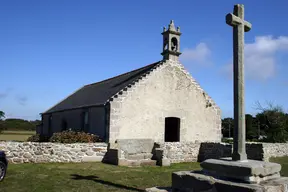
(236, 20)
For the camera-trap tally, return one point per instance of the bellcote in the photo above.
(171, 42)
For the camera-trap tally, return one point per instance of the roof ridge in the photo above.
(122, 74)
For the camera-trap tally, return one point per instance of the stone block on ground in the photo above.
(147, 162)
(129, 163)
(250, 171)
(136, 156)
(136, 163)
(92, 159)
(133, 146)
(139, 156)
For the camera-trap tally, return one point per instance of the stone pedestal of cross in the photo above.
(236, 20)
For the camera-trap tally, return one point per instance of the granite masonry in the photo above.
(30, 152)
(170, 91)
(175, 152)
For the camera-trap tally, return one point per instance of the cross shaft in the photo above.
(236, 20)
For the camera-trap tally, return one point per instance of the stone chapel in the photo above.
(160, 101)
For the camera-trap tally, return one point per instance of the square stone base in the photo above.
(248, 171)
(187, 181)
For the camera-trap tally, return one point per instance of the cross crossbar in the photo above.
(234, 21)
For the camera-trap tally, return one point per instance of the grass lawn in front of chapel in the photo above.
(88, 177)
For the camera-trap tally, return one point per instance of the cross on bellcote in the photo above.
(236, 20)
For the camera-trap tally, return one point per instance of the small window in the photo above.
(50, 124)
(85, 120)
(64, 125)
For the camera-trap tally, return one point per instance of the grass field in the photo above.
(284, 162)
(78, 177)
(15, 135)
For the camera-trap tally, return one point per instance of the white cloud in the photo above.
(199, 55)
(260, 57)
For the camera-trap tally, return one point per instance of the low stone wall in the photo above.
(176, 152)
(192, 152)
(274, 150)
(26, 152)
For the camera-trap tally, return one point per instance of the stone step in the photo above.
(129, 163)
(148, 162)
(136, 163)
(139, 156)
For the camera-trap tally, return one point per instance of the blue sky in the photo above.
(48, 49)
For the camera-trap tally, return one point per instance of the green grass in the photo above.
(78, 177)
(284, 163)
(66, 177)
(15, 135)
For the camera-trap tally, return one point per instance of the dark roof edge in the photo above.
(74, 108)
(62, 100)
(122, 74)
(157, 64)
(48, 111)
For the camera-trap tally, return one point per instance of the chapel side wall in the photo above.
(73, 118)
(166, 92)
(97, 117)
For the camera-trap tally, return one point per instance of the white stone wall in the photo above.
(192, 152)
(181, 152)
(168, 91)
(31, 152)
(274, 150)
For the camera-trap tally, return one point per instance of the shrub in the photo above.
(227, 140)
(74, 137)
(38, 138)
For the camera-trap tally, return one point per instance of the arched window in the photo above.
(172, 129)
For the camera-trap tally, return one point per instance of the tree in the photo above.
(274, 121)
(20, 124)
(261, 121)
(227, 127)
(251, 131)
(2, 115)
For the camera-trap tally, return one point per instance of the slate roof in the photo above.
(98, 93)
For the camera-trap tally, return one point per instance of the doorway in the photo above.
(172, 129)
